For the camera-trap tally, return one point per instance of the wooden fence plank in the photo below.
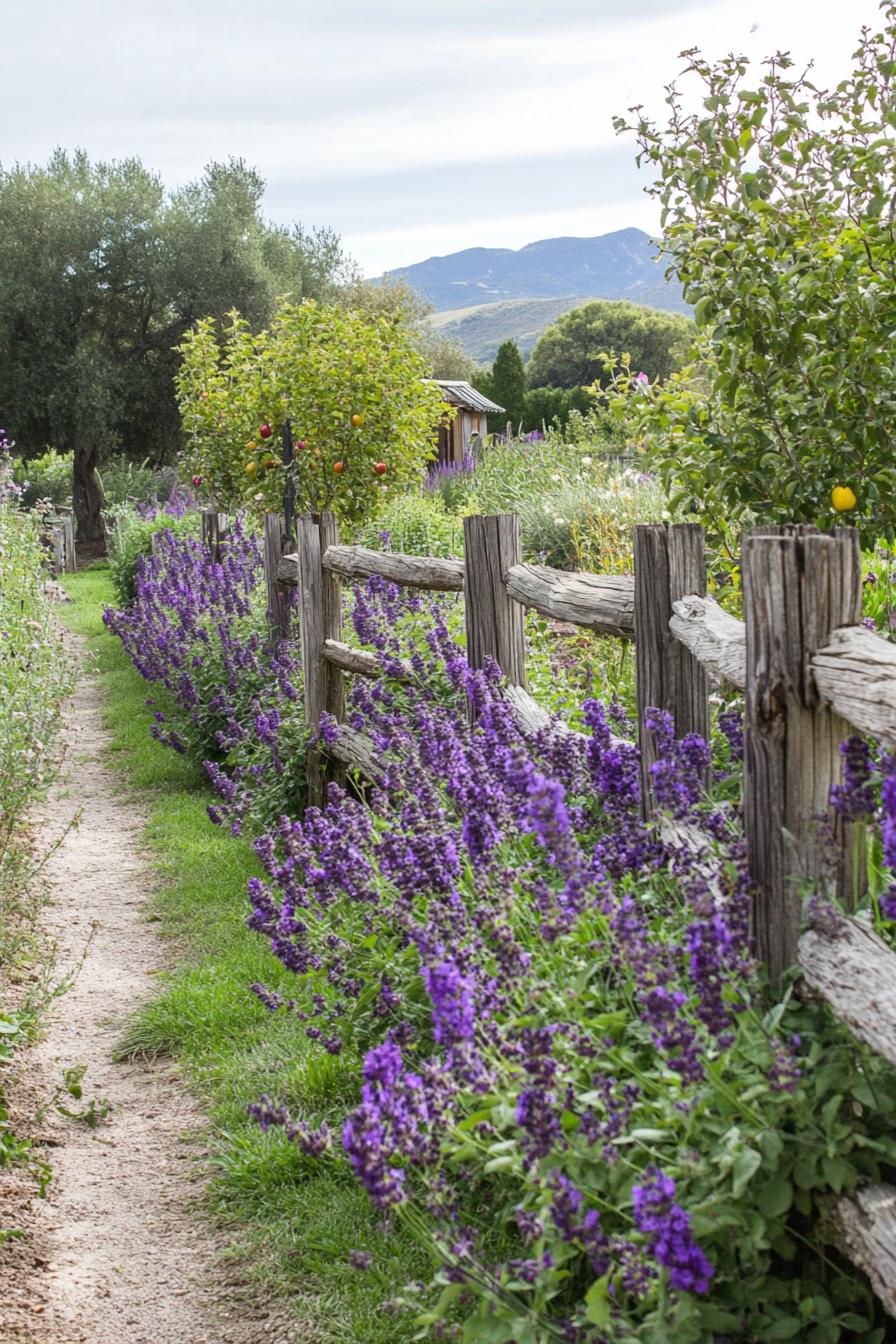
(799, 585)
(718, 641)
(365, 664)
(494, 622)
(863, 1224)
(411, 571)
(856, 674)
(669, 564)
(601, 602)
(854, 973)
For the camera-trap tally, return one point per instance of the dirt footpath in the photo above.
(116, 1253)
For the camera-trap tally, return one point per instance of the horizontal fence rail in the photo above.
(810, 674)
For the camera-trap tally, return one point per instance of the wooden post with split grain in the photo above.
(799, 585)
(332, 676)
(670, 564)
(279, 604)
(320, 619)
(494, 621)
(214, 526)
(68, 538)
(58, 551)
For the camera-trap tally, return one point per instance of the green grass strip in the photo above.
(294, 1218)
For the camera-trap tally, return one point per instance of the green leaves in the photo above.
(774, 205)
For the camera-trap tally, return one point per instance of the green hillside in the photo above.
(481, 329)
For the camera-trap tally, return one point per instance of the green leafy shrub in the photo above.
(416, 525)
(124, 479)
(46, 477)
(130, 532)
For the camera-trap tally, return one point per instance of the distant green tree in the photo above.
(569, 353)
(446, 360)
(546, 406)
(101, 276)
(508, 381)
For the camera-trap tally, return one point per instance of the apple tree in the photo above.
(778, 207)
(353, 387)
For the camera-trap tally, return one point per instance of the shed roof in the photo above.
(459, 393)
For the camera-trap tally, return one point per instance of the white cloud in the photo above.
(353, 94)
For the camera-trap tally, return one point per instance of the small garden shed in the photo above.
(473, 410)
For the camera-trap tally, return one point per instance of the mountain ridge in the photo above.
(617, 265)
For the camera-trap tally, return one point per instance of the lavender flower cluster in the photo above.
(232, 699)
(495, 921)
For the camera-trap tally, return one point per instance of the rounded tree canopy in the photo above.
(569, 353)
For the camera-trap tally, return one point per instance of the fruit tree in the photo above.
(352, 386)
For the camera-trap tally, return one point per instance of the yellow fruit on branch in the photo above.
(251, 468)
(843, 498)
(357, 421)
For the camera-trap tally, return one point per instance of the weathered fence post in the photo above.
(799, 585)
(68, 537)
(494, 620)
(669, 564)
(279, 604)
(320, 618)
(58, 551)
(155, 543)
(213, 527)
(333, 678)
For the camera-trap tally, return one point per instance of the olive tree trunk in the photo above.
(87, 495)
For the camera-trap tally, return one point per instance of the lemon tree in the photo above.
(777, 203)
(352, 386)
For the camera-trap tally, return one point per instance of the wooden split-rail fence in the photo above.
(810, 674)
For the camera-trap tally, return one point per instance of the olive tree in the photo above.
(778, 201)
(101, 274)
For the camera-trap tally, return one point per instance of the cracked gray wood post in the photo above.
(332, 676)
(799, 585)
(320, 619)
(279, 604)
(214, 527)
(669, 564)
(68, 532)
(58, 552)
(494, 621)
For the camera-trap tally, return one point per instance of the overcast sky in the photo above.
(413, 128)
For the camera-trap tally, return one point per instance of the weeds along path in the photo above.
(123, 1257)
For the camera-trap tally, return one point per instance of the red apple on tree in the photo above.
(265, 430)
(380, 468)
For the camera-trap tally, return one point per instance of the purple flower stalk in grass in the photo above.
(668, 1231)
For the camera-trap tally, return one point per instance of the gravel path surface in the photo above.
(116, 1254)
